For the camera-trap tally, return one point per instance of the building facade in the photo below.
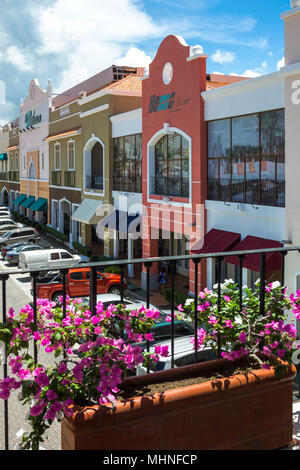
(33, 152)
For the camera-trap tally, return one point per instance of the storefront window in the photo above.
(171, 166)
(128, 163)
(246, 159)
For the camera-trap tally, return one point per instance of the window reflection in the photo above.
(171, 166)
(246, 161)
(128, 163)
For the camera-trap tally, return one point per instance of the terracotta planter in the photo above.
(252, 411)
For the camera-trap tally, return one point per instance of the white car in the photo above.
(115, 299)
(184, 354)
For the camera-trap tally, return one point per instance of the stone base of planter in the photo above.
(252, 411)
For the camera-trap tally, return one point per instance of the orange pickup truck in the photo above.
(77, 285)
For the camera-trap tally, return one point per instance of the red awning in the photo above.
(216, 241)
(273, 260)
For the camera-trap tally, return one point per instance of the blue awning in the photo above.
(40, 205)
(20, 199)
(28, 202)
(3, 156)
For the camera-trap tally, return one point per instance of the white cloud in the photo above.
(281, 63)
(94, 35)
(223, 57)
(19, 58)
(256, 72)
(135, 57)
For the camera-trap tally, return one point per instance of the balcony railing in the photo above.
(13, 175)
(3, 175)
(170, 186)
(56, 178)
(94, 182)
(147, 263)
(69, 179)
(257, 192)
(128, 184)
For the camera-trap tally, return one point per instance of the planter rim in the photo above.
(217, 388)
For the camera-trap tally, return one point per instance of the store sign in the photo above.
(167, 102)
(160, 103)
(31, 119)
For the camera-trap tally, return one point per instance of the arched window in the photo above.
(31, 171)
(172, 166)
(94, 164)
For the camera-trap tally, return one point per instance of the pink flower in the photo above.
(266, 366)
(212, 320)
(228, 324)
(266, 351)
(37, 409)
(62, 368)
(50, 415)
(36, 335)
(281, 353)
(149, 336)
(226, 298)
(242, 337)
(51, 395)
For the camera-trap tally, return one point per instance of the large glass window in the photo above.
(128, 163)
(246, 159)
(171, 166)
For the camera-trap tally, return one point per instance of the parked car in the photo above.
(8, 221)
(7, 227)
(12, 256)
(4, 208)
(6, 248)
(53, 257)
(15, 235)
(5, 214)
(114, 299)
(184, 355)
(50, 285)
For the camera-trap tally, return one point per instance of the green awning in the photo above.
(3, 156)
(28, 202)
(20, 199)
(40, 205)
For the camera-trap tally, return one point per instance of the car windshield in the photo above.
(7, 234)
(21, 247)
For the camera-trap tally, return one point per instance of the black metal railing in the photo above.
(147, 263)
(69, 179)
(176, 186)
(94, 182)
(265, 192)
(56, 178)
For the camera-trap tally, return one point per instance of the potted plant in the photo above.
(241, 401)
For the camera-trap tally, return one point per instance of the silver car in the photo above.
(15, 235)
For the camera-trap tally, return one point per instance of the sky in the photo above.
(68, 41)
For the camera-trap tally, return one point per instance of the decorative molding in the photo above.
(94, 110)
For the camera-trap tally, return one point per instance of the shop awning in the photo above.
(252, 262)
(216, 241)
(40, 205)
(87, 212)
(28, 202)
(20, 199)
(3, 156)
(121, 221)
